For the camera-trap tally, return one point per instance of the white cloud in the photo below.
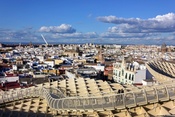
(126, 35)
(115, 20)
(23, 35)
(161, 23)
(75, 35)
(157, 30)
(63, 28)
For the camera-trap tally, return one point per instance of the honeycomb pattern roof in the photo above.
(79, 87)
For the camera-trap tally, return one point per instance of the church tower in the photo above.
(100, 55)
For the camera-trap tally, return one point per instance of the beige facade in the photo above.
(80, 61)
(19, 62)
(71, 53)
(123, 74)
(54, 71)
(58, 61)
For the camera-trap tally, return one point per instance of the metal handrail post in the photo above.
(124, 99)
(146, 99)
(157, 96)
(167, 92)
(134, 98)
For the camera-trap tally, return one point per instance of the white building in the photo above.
(129, 73)
(98, 67)
(41, 58)
(49, 62)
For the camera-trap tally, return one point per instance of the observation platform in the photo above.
(89, 97)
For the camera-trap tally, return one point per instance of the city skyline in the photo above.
(121, 22)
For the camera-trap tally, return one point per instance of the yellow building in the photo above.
(58, 61)
(71, 53)
(54, 71)
(80, 61)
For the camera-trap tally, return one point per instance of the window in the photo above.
(126, 76)
(129, 76)
(116, 72)
(119, 74)
(132, 77)
(122, 72)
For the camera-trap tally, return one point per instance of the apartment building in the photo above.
(130, 73)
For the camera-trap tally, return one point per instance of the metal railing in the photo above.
(57, 100)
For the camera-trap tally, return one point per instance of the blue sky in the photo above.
(88, 21)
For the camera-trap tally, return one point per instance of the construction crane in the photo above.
(46, 44)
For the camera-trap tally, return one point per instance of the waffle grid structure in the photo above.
(89, 97)
(161, 70)
(47, 100)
